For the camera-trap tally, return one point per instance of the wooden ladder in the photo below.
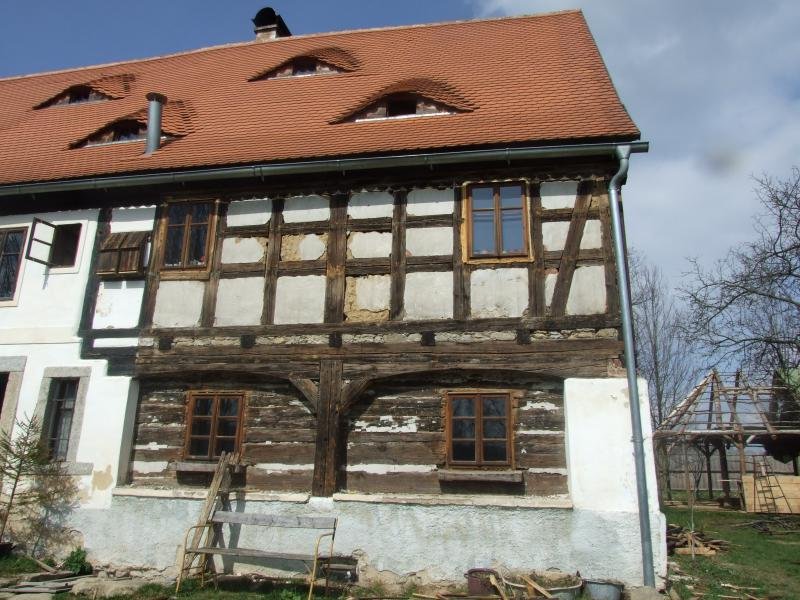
(765, 484)
(216, 497)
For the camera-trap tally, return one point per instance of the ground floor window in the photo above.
(478, 429)
(61, 410)
(214, 424)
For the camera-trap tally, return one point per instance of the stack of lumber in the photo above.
(55, 583)
(682, 541)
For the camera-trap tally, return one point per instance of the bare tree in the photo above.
(746, 308)
(664, 357)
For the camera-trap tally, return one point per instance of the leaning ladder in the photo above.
(765, 482)
(217, 495)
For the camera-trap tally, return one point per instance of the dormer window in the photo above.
(78, 94)
(121, 131)
(403, 105)
(303, 66)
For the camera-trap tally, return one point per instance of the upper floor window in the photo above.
(213, 424)
(498, 224)
(75, 95)
(187, 239)
(54, 245)
(479, 429)
(128, 130)
(11, 243)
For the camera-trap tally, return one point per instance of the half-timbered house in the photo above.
(378, 264)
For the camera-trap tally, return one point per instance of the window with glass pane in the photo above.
(11, 243)
(187, 235)
(498, 220)
(214, 425)
(61, 409)
(478, 432)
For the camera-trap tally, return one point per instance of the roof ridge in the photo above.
(291, 37)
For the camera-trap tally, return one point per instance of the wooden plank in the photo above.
(461, 308)
(326, 456)
(398, 257)
(458, 475)
(337, 255)
(271, 262)
(536, 274)
(612, 293)
(571, 248)
(308, 388)
(251, 553)
(266, 520)
(210, 295)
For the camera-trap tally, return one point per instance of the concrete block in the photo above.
(369, 205)
(302, 209)
(587, 294)
(429, 296)
(118, 304)
(369, 244)
(303, 247)
(429, 241)
(592, 235)
(243, 249)
(422, 202)
(240, 301)
(559, 194)
(554, 235)
(300, 299)
(499, 292)
(367, 298)
(254, 211)
(179, 303)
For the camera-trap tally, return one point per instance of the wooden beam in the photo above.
(536, 275)
(571, 249)
(212, 285)
(398, 258)
(93, 282)
(271, 262)
(326, 456)
(337, 256)
(461, 308)
(154, 268)
(612, 294)
(308, 388)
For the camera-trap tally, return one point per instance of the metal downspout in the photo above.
(614, 186)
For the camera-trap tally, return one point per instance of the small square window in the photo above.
(479, 429)
(54, 245)
(213, 424)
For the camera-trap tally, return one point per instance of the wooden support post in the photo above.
(569, 258)
(212, 285)
(337, 255)
(326, 463)
(536, 275)
(93, 282)
(271, 262)
(461, 291)
(724, 470)
(398, 264)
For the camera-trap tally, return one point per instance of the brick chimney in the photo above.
(269, 25)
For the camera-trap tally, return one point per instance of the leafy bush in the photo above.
(77, 563)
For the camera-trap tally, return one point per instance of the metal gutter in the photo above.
(614, 187)
(341, 165)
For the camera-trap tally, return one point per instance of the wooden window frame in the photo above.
(184, 271)
(55, 412)
(52, 244)
(467, 232)
(21, 256)
(479, 463)
(192, 398)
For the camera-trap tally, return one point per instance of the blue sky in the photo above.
(713, 85)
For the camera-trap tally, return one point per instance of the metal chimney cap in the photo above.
(268, 19)
(157, 97)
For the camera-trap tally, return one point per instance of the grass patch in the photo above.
(771, 564)
(14, 565)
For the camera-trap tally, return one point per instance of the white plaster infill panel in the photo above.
(370, 244)
(179, 304)
(118, 304)
(372, 292)
(429, 296)
(422, 202)
(300, 299)
(303, 209)
(592, 235)
(429, 241)
(311, 247)
(499, 292)
(240, 301)
(243, 249)
(138, 218)
(559, 194)
(255, 211)
(587, 294)
(554, 235)
(549, 287)
(369, 205)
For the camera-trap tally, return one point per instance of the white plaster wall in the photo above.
(48, 301)
(179, 303)
(429, 201)
(372, 291)
(369, 205)
(300, 299)
(254, 211)
(499, 292)
(311, 247)
(240, 301)
(429, 296)
(429, 241)
(554, 235)
(549, 287)
(369, 244)
(592, 236)
(587, 294)
(301, 209)
(243, 249)
(118, 304)
(137, 218)
(559, 194)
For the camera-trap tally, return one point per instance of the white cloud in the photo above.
(713, 86)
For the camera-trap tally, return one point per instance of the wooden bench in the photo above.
(208, 547)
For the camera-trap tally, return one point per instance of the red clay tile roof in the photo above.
(536, 79)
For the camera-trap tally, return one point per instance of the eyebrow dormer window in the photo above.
(303, 66)
(78, 94)
(121, 131)
(403, 105)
